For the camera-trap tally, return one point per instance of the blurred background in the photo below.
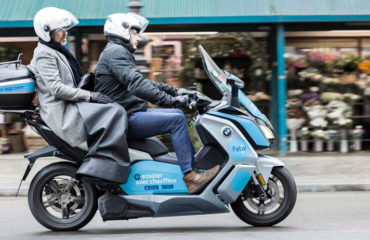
(306, 64)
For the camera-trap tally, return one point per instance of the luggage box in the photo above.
(17, 86)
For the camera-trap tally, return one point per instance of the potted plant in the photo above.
(356, 135)
(343, 124)
(304, 136)
(318, 136)
(330, 136)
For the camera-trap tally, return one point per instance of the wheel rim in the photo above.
(63, 199)
(268, 205)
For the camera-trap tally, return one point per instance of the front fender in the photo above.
(265, 164)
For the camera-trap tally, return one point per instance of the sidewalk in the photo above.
(312, 172)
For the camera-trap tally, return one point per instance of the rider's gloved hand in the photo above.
(182, 101)
(97, 97)
(183, 91)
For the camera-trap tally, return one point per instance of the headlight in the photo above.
(267, 132)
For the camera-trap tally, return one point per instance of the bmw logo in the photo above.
(137, 176)
(227, 131)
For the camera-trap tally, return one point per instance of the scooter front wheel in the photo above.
(269, 210)
(58, 201)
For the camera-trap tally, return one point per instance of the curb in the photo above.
(332, 187)
(11, 191)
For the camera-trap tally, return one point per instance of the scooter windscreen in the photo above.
(219, 79)
(217, 76)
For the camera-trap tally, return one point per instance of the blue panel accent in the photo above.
(238, 149)
(21, 87)
(240, 180)
(249, 105)
(281, 86)
(151, 177)
(249, 126)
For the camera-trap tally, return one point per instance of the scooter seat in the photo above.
(153, 146)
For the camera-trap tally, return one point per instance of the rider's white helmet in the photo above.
(120, 24)
(49, 19)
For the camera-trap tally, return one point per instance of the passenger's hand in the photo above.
(97, 97)
(182, 101)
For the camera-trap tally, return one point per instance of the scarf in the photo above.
(73, 63)
(121, 42)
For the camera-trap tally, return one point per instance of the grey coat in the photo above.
(57, 92)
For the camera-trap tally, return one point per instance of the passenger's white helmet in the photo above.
(49, 19)
(120, 24)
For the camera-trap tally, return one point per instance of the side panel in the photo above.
(235, 144)
(235, 183)
(151, 177)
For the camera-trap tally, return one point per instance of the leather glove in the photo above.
(182, 101)
(183, 91)
(97, 97)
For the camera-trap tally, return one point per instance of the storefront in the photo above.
(247, 39)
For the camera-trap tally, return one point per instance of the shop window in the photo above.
(328, 97)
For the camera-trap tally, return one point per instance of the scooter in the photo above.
(259, 188)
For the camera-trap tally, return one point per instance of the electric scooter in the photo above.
(258, 188)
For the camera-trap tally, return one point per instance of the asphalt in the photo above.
(320, 172)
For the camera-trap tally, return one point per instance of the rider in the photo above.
(118, 77)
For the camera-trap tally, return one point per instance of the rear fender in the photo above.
(47, 151)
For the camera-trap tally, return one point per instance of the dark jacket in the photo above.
(118, 77)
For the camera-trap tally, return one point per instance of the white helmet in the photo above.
(120, 24)
(49, 19)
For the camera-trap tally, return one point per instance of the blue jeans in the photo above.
(161, 121)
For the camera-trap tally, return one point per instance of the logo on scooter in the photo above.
(137, 176)
(226, 131)
(238, 149)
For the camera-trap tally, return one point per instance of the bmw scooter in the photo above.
(259, 188)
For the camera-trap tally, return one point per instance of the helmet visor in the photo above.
(142, 21)
(66, 24)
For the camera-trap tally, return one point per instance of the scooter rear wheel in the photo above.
(280, 200)
(58, 201)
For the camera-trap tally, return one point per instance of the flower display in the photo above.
(318, 134)
(347, 62)
(350, 97)
(317, 111)
(331, 134)
(338, 109)
(295, 92)
(357, 132)
(343, 122)
(329, 80)
(330, 96)
(322, 60)
(295, 123)
(318, 123)
(304, 133)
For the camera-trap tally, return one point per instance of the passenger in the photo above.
(76, 115)
(118, 77)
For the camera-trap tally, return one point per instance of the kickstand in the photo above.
(19, 188)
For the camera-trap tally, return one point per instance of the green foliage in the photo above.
(347, 62)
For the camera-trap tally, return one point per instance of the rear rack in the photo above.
(16, 62)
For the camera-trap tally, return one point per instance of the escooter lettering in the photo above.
(154, 178)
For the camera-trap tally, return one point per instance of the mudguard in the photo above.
(265, 164)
